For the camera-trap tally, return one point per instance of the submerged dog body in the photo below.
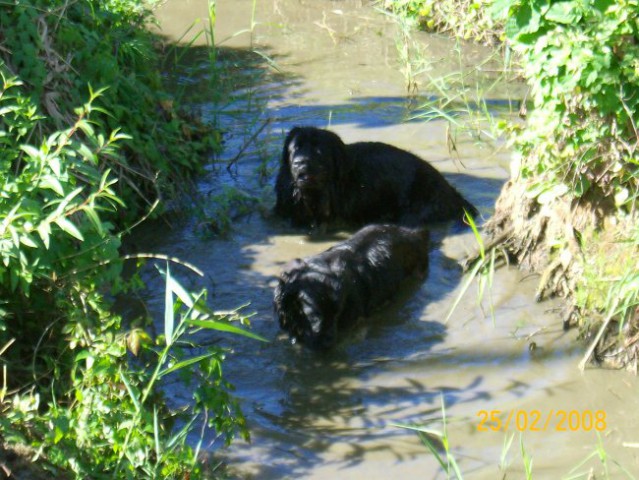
(320, 294)
(322, 180)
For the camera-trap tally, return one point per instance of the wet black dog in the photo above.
(323, 181)
(319, 295)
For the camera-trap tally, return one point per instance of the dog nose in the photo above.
(300, 167)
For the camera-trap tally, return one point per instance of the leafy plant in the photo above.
(70, 389)
(57, 47)
(54, 197)
(584, 95)
(114, 422)
(580, 144)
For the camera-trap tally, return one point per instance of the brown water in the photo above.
(336, 63)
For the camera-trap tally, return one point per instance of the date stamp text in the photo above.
(537, 421)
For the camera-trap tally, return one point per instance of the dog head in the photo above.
(306, 306)
(316, 159)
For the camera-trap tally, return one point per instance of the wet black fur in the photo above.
(323, 181)
(317, 297)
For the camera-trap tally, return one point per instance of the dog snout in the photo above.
(304, 174)
(300, 164)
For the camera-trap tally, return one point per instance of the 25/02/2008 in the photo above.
(535, 421)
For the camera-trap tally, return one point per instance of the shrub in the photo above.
(465, 19)
(579, 153)
(56, 48)
(75, 386)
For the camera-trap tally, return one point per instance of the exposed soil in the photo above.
(559, 240)
(16, 463)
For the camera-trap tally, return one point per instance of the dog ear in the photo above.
(285, 203)
(342, 161)
(294, 132)
(291, 270)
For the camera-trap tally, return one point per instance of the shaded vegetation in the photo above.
(57, 48)
(91, 142)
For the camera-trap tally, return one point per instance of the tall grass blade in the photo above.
(156, 435)
(181, 434)
(185, 363)
(129, 389)
(480, 241)
(508, 441)
(471, 276)
(224, 327)
(169, 320)
(179, 291)
(527, 459)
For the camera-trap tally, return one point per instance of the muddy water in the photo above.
(335, 63)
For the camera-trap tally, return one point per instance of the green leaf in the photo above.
(52, 183)
(87, 154)
(61, 427)
(563, 12)
(524, 24)
(86, 128)
(129, 389)
(93, 217)
(59, 211)
(83, 354)
(14, 278)
(69, 227)
(499, 9)
(527, 19)
(105, 181)
(156, 432)
(582, 185)
(602, 5)
(44, 230)
(32, 151)
(186, 363)
(179, 290)
(54, 164)
(224, 327)
(26, 240)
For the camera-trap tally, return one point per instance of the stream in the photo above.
(338, 64)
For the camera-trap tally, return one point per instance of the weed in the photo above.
(446, 460)
(464, 19)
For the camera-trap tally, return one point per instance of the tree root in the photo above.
(558, 239)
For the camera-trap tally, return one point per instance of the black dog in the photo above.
(318, 295)
(321, 180)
